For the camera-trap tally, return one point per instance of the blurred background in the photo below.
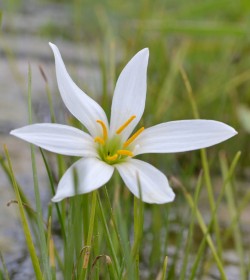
(210, 39)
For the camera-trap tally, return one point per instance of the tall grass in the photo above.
(109, 233)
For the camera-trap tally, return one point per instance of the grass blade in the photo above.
(205, 232)
(41, 232)
(108, 236)
(5, 270)
(204, 160)
(233, 213)
(25, 225)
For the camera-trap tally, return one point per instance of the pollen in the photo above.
(112, 158)
(132, 138)
(99, 140)
(104, 129)
(125, 153)
(121, 128)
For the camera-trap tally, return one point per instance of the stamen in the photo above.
(112, 158)
(132, 138)
(125, 153)
(99, 140)
(104, 129)
(121, 128)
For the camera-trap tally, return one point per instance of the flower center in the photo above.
(113, 150)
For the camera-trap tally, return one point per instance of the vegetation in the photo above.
(199, 67)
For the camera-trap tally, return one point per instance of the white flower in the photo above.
(107, 147)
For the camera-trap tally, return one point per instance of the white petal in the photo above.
(84, 108)
(154, 184)
(130, 93)
(91, 174)
(181, 136)
(57, 138)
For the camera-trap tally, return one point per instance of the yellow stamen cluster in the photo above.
(120, 153)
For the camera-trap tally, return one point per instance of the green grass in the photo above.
(199, 67)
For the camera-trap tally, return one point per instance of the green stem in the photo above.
(205, 231)
(90, 236)
(204, 160)
(114, 257)
(25, 225)
(42, 239)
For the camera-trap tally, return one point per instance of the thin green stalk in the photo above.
(110, 243)
(138, 221)
(5, 270)
(233, 213)
(166, 222)
(178, 244)
(242, 205)
(199, 256)
(61, 221)
(90, 236)
(110, 268)
(59, 260)
(164, 268)
(41, 233)
(202, 247)
(225, 182)
(138, 231)
(156, 240)
(50, 245)
(24, 199)
(85, 215)
(60, 162)
(69, 257)
(111, 213)
(205, 232)
(122, 242)
(190, 231)
(77, 233)
(211, 199)
(204, 160)
(97, 247)
(48, 93)
(138, 226)
(128, 268)
(25, 225)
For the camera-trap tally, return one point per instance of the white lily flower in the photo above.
(109, 147)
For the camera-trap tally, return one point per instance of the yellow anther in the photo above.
(104, 129)
(125, 153)
(99, 140)
(112, 158)
(121, 128)
(132, 138)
